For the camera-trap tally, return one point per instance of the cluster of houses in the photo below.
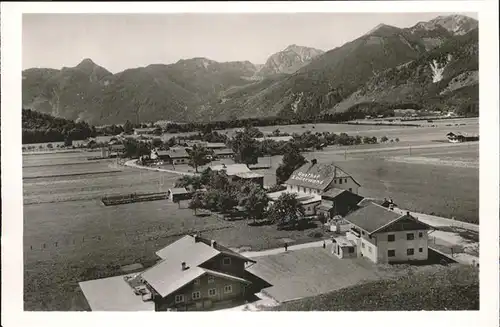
(180, 153)
(195, 273)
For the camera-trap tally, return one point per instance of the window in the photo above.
(351, 250)
(420, 234)
(391, 253)
(228, 289)
(196, 295)
(350, 189)
(340, 181)
(410, 236)
(345, 180)
(363, 245)
(226, 261)
(370, 249)
(211, 279)
(179, 298)
(197, 281)
(391, 238)
(362, 232)
(334, 181)
(410, 251)
(420, 250)
(212, 292)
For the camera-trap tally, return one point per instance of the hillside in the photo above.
(443, 78)
(432, 65)
(331, 81)
(151, 93)
(454, 288)
(39, 128)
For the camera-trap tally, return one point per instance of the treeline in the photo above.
(40, 128)
(337, 117)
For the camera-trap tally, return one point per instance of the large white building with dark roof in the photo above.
(322, 184)
(384, 236)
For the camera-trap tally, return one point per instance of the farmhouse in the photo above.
(116, 149)
(223, 153)
(196, 274)
(240, 172)
(174, 155)
(383, 236)
(275, 138)
(458, 138)
(179, 194)
(319, 188)
(147, 131)
(338, 201)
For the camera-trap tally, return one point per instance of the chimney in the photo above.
(213, 243)
(183, 266)
(196, 238)
(407, 213)
(313, 162)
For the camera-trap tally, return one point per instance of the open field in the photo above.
(443, 288)
(313, 271)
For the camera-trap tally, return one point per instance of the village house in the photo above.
(174, 155)
(196, 274)
(147, 131)
(223, 153)
(318, 188)
(238, 172)
(383, 236)
(179, 194)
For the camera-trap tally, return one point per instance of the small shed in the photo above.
(179, 194)
(343, 247)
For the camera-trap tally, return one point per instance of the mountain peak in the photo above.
(455, 24)
(87, 62)
(383, 28)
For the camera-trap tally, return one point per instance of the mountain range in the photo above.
(432, 65)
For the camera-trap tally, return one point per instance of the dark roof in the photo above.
(223, 151)
(178, 153)
(333, 192)
(316, 175)
(372, 217)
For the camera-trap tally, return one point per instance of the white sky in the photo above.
(121, 41)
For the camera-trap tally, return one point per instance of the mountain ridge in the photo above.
(297, 81)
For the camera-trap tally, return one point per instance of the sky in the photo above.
(121, 41)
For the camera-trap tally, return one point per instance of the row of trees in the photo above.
(38, 127)
(221, 195)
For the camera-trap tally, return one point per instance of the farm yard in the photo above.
(70, 236)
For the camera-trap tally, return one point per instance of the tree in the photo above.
(286, 210)
(198, 156)
(254, 199)
(397, 139)
(292, 160)
(189, 182)
(246, 148)
(196, 202)
(384, 139)
(128, 128)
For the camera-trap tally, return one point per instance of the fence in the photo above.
(134, 197)
(138, 236)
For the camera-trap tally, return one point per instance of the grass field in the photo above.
(447, 288)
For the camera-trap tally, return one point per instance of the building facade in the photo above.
(383, 236)
(197, 274)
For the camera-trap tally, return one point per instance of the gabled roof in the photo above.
(316, 175)
(249, 175)
(373, 218)
(177, 153)
(179, 190)
(167, 276)
(333, 192)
